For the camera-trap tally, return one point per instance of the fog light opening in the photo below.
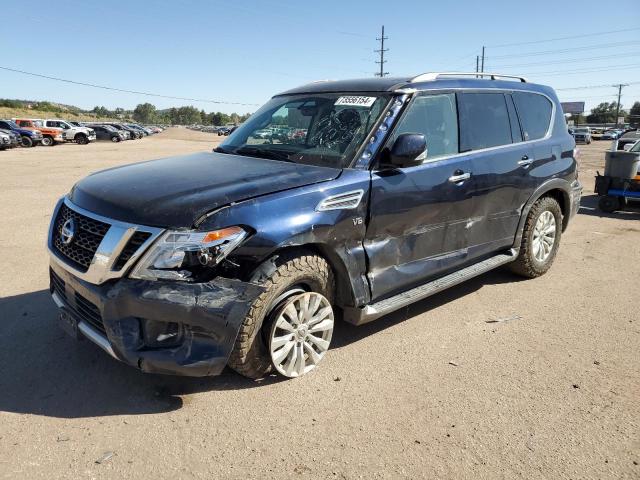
(161, 334)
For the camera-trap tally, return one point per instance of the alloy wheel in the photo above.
(544, 236)
(301, 333)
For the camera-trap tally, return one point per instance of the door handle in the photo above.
(459, 177)
(525, 161)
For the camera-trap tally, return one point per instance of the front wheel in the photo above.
(27, 142)
(47, 141)
(81, 139)
(115, 139)
(289, 326)
(540, 239)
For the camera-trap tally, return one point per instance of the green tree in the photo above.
(605, 113)
(634, 114)
(145, 113)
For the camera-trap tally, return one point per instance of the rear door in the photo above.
(418, 225)
(492, 136)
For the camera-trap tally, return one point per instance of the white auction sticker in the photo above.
(356, 101)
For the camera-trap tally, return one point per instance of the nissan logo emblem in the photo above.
(68, 231)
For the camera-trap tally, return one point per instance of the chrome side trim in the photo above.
(110, 248)
(430, 76)
(341, 201)
(96, 337)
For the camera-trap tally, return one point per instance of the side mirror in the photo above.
(408, 150)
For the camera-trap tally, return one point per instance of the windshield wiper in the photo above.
(262, 153)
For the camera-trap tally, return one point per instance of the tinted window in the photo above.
(535, 114)
(484, 121)
(435, 116)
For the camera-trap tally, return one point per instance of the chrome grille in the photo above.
(101, 248)
(83, 247)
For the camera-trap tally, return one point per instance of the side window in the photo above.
(484, 121)
(535, 114)
(436, 117)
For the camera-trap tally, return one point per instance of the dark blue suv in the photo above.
(345, 199)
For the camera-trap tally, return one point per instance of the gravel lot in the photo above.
(550, 390)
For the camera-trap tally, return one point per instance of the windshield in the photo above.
(635, 148)
(38, 123)
(324, 129)
(581, 130)
(631, 135)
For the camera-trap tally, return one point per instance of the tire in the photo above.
(47, 141)
(536, 255)
(293, 275)
(609, 204)
(81, 139)
(27, 142)
(115, 139)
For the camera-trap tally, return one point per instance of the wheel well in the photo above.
(563, 200)
(342, 287)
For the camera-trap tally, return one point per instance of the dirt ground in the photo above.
(550, 390)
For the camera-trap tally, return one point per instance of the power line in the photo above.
(591, 86)
(381, 51)
(565, 38)
(103, 87)
(566, 50)
(572, 72)
(570, 60)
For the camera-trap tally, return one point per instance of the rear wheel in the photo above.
(47, 141)
(289, 326)
(27, 142)
(540, 239)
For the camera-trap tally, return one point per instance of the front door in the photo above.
(420, 216)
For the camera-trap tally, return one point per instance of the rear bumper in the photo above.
(112, 315)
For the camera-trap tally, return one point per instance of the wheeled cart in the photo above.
(619, 182)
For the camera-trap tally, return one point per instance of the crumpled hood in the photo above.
(174, 192)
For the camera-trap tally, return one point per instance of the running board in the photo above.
(358, 316)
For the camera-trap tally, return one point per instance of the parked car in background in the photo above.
(50, 136)
(142, 130)
(108, 133)
(223, 131)
(133, 134)
(28, 136)
(582, 135)
(5, 140)
(79, 134)
(15, 140)
(125, 131)
(610, 135)
(628, 139)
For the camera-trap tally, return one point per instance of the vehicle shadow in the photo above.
(45, 372)
(589, 206)
(346, 333)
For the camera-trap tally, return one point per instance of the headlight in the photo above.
(177, 255)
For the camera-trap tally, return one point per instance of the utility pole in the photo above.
(382, 61)
(620, 85)
(482, 64)
(477, 64)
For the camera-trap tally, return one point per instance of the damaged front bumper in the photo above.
(115, 315)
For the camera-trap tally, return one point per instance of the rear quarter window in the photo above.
(484, 121)
(534, 111)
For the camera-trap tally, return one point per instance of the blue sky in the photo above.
(247, 50)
